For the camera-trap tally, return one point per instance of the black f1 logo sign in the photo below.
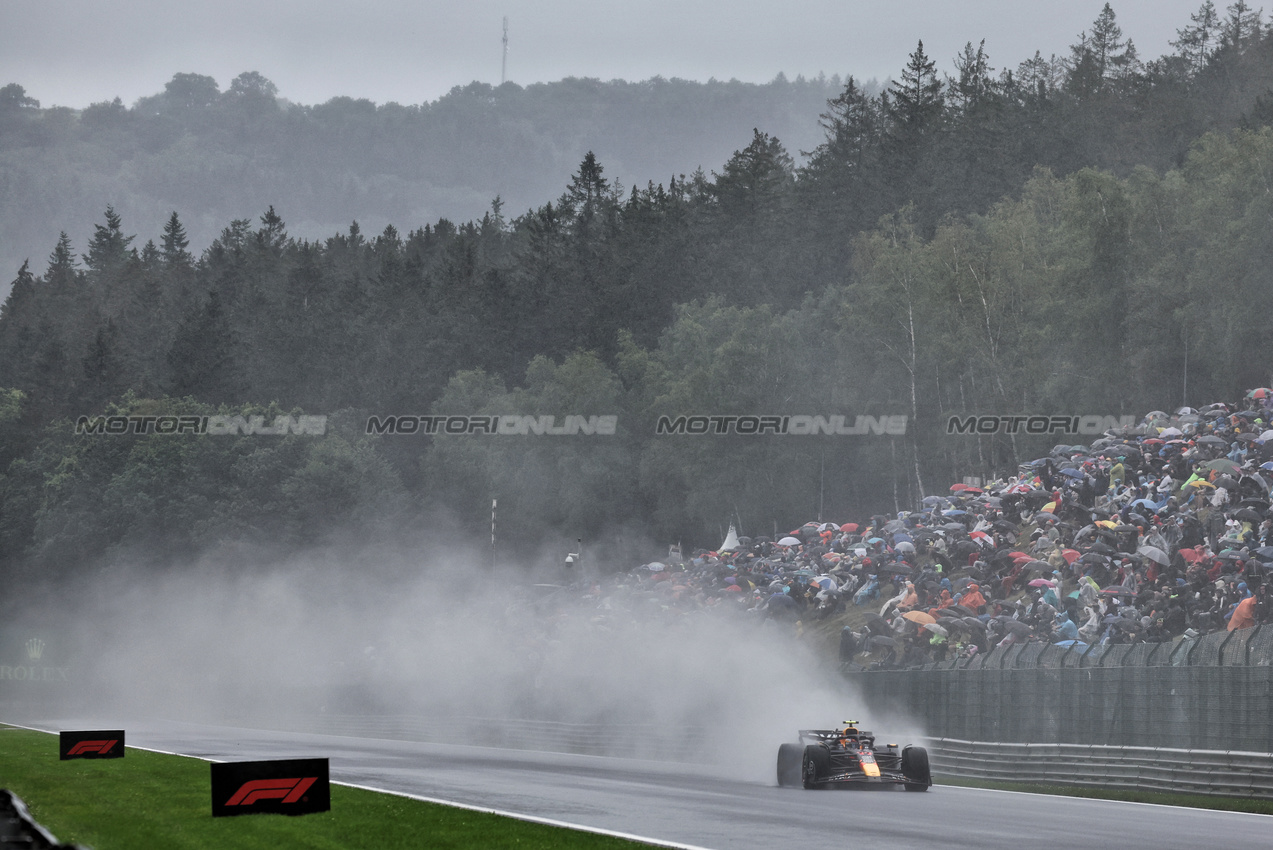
(91, 745)
(290, 787)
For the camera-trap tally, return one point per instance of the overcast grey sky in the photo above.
(75, 52)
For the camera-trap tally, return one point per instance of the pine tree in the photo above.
(974, 84)
(852, 127)
(1196, 43)
(1101, 57)
(174, 243)
(755, 179)
(17, 315)
(1242, 27)
(915, 102)
(272, 234)
(108, 249)
(21, 291)
(62, 260)
(589, 198)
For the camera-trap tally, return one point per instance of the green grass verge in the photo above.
(152, 800)
(1162, 798)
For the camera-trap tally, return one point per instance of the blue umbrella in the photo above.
(954, 512)
(1071, 473)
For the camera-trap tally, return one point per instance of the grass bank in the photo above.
(151, 800)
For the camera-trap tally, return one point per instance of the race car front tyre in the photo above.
(789, 765)
(916, 770)
(815, 765)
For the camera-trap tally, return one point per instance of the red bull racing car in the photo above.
(849, 757)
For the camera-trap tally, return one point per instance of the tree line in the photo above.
(880, 278)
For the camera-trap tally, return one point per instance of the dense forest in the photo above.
(1085, 234)
(220, 155)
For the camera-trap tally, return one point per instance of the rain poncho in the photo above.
(1243, 616)
(972, 598)
(1065, 628)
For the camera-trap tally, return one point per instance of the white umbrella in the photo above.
(789, 541)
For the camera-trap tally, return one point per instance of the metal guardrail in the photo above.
(1210, 772)
(19, 829)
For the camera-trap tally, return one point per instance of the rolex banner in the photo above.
(287, 787)
(91, 745)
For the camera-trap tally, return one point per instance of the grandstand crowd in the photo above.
(1150, 533)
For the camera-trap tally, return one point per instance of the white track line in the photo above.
(655, 842)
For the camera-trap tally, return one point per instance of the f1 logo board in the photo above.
(91, 745)
(288, 787)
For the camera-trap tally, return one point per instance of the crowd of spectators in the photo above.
(1150, 533)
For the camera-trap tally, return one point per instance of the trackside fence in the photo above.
(1213, 693)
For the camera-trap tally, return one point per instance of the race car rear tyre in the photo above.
(789, 765)
(916, 770)
(815, 765)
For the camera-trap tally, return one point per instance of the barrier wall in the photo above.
(1229, 774)
(1212, 693)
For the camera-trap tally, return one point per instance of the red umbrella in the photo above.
(849, 526)
(1070, 555)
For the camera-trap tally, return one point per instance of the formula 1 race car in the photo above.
(849, 757)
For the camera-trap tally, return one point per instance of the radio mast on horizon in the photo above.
(503, 68)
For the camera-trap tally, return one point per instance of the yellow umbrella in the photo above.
(920, 617)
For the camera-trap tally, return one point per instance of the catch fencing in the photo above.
(1210, 693)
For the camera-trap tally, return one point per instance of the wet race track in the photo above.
(685, 805)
